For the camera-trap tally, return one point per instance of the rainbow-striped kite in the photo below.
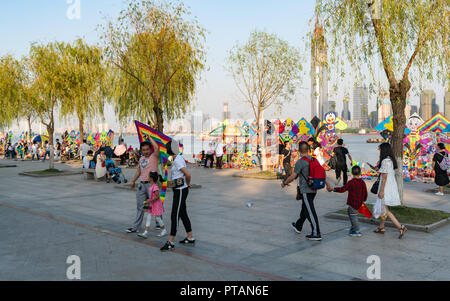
(144, 130)
(436, 124)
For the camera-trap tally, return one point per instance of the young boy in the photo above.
(87, 159)
(357, 195)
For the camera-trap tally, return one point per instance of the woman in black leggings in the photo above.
(180, 194)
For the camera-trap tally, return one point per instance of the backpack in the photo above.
(445, 163)
(317, 174)
(333, 162)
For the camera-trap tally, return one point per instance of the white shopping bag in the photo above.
(378, 209)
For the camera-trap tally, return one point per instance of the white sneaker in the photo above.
(338, 180)
(143, 235)
(439, 193)
(163, 233)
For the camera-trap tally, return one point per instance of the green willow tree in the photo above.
(157, 55)
(406, 38)
(48, 64)
(10, 89)
(28, 96)
(86, 78)
(266, 71)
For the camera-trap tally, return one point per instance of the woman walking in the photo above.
(318, 153)
(387, 190)
(441, 178)
(182, 182)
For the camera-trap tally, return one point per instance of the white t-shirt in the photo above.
(84, 148)
(319, 156)
(85, 162)
(34, 149)
(178, 164)
(219, 149)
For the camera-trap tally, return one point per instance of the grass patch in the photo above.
(415, 216)
(45, 172)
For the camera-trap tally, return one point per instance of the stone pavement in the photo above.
(44, 220)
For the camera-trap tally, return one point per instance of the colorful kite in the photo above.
(436, 124)
(145, 131)
(305, 128)
(331, 122)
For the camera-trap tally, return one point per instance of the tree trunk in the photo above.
(258, 138)
(398, 95)
(29, 129)
(263, 146)
(81, 127)
(159, 118)
(51, 130)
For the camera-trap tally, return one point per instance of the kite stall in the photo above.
(419, 144)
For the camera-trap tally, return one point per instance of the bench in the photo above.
(89, 174)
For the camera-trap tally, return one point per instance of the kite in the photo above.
(305, 128)
(331, 122)
(145, 131)
(436, 124)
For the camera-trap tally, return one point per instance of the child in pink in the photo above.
(155, 206)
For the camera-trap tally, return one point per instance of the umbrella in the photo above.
(120, 150)
(39, 138)
(229, 131)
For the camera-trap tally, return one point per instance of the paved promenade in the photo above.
(44, 220)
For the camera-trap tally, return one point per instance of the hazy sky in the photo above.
(26, 21)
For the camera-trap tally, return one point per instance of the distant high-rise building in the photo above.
(197, 122)
(319, 72)
(373, 119)
(346, 111)
(360, 106)
(447, 104)
(408, 111)
(434, 108)
(226, 111)
(427, 98)
(331, 106)
(384, 106)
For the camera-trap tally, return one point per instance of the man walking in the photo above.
(219, 154)
(84, 148)
(301, 171)
(58, 150)
(46, 150)
(147, 163)
(341, 154)
(34, 151)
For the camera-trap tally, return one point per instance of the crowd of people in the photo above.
(385, 187)
(308, 171)
(148, 193)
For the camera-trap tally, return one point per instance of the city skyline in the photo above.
(226, 23)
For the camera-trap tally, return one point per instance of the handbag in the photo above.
(375, 186)
(177, 183)
(332, 162)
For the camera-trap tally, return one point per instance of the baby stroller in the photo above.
(115, 172)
